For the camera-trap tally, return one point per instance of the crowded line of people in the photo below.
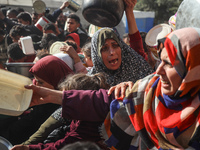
(102, 89)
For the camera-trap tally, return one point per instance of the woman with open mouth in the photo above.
(118, 61)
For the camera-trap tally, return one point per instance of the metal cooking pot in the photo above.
(103, 13)
(20, 68)
(5, 144)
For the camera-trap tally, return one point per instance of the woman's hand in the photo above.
(130, 4)
(120, 89)
(42, 95)
(20, 147)
(132, 25)
(71, 52)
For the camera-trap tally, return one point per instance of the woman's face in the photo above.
(111, 54)
(40, 82)
(170, 80)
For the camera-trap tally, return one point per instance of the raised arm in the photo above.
(58, 11)
(132, 26)
(134, 35)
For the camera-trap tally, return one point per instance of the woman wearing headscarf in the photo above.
(117, 60)
(164, 107)
(48, 72)
(51, 69)
(169, 111)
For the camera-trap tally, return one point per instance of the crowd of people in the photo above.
(102, 91)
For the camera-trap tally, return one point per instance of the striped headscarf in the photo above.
(184, 53)
(169, 122)
(133, 66)
(158, 121)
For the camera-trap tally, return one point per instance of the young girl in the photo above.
(86, 50)
(79, 130)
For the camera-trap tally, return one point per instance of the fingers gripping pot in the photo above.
(103, 13)
(73, 5)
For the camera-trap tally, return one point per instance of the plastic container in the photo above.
(157, 32)
(42, 22)
(55, 47)
(27, 45)
(14, 98)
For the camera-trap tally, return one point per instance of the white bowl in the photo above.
(156, 33)
(14, 98)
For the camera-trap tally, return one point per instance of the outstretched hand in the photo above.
(120, 89)
(42, 95)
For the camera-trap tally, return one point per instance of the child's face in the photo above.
(88, 60)
(40, 82)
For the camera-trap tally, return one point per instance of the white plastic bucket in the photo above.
(42, 22)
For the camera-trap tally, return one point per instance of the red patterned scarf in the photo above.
(161, 121)
(170, 122)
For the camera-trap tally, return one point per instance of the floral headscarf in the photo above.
(133, 66)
